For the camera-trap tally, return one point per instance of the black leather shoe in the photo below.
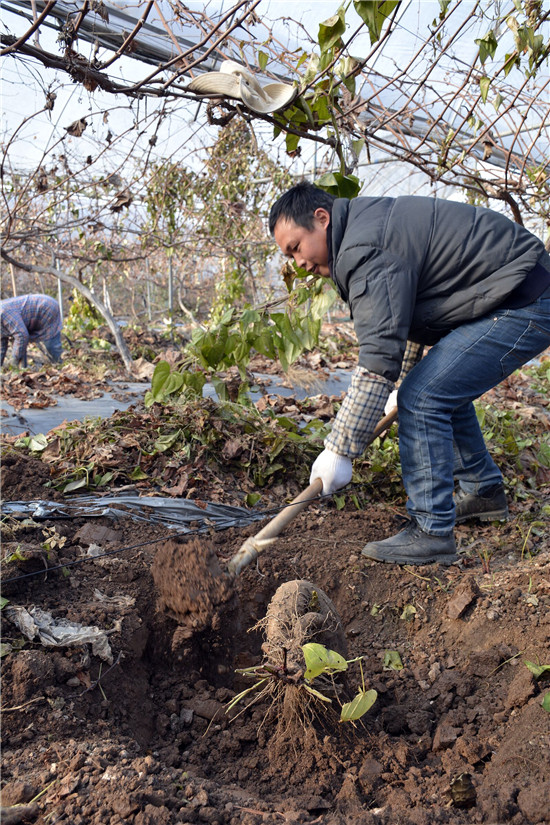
(413, 546)
(488, 506)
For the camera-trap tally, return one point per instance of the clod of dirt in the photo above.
(18, 814)
(191, 585)
(20, 558)
(298, 613)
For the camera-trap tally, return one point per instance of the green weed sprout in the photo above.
(17, 555)
(542, 673)
(537, 670)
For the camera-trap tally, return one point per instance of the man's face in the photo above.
(308, 247)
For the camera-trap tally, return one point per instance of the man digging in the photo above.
(463, 280)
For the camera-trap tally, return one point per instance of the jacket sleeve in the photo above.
(381, 292)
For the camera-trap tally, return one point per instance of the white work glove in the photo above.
(391, 402)
(334, 470)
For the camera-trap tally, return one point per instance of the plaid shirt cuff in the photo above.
(413, 354)
(361, 410)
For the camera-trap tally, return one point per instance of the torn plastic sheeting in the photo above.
(58, 632)
(177, 513)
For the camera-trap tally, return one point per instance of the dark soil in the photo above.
(457, 736)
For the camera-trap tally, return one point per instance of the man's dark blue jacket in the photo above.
(416, 267)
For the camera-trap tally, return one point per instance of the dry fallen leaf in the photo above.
(77, 127)
(123, 198)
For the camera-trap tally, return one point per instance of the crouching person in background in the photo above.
(30, 318)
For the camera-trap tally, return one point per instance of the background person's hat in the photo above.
(235, 81)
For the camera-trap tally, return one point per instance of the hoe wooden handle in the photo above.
(254, 545)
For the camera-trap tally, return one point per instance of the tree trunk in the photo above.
(187, 311)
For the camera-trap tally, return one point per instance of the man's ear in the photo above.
(322, 216)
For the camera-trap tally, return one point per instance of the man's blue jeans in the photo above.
(439, 436)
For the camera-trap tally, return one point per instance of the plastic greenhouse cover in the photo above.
(181, 514)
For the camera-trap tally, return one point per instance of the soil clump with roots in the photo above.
(300, 612)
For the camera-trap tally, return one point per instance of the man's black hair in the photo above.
(298, 204)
